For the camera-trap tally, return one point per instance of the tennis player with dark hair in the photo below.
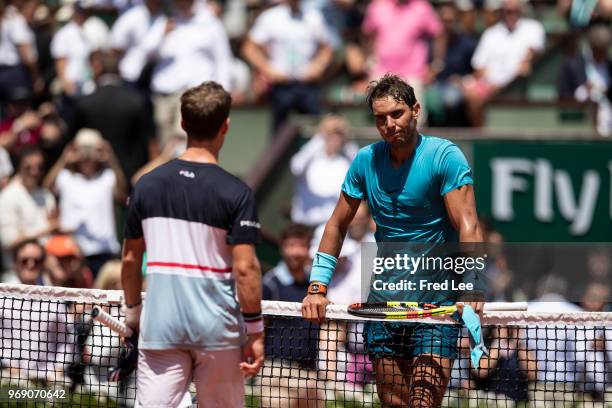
(199, 226)
(418, 189)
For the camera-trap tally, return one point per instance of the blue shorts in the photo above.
(408, 340)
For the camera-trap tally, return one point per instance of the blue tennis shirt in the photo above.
(407, 203)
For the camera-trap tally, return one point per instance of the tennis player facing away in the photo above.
(199, 226)
(418, 189)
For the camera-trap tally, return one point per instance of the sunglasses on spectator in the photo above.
(25, 261)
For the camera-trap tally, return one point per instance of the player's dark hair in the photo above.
(299, 231)
(204, 109)
(393, 86)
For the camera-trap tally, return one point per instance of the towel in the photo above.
(472, 322)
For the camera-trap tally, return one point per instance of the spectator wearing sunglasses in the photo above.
(28, 210)
(29, 260)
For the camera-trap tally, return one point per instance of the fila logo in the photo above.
(188, 174)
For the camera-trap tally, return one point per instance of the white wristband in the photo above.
(256, 326)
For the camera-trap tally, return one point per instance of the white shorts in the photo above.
(164, 377)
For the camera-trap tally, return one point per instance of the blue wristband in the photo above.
(323, 267)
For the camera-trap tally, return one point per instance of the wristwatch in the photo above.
(317, 288)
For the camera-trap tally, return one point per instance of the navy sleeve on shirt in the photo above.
(245, 228)
(133, 223)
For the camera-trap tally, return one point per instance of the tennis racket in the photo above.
(128, 358)
(416, 310)
(109, 321)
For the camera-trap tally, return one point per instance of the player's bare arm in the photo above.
(247, 274)
(461, 208)
(131, 279)
(313, 306)
(248, 277)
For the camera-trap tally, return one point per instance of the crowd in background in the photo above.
(457, 54)
(89, 102)
(89, 89)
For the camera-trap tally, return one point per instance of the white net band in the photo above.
(494, 314)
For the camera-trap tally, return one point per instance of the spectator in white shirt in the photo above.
(128, 35)
(504, 52)
(291, 46)
(72, 45)
(319, 168)
(188, 48)
(27, 211)
(18, 57)
(88, 180)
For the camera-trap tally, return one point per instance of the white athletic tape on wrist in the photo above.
(256, 326)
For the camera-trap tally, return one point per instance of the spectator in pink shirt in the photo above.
(399, 31)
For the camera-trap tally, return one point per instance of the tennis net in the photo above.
(51, 351)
